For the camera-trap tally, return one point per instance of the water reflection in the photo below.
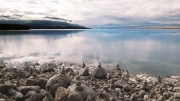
(154, 51)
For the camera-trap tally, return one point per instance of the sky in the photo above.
(93, 12)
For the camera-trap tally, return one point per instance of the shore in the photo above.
(52, 81)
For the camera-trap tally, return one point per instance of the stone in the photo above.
(48, 67)
(47, 96)
(120, 83)
(116, 73)
(133, 97)
(73, 97)
(69, 70)
(4, 88)
(18, 82)
(84, 71)
(63, 71)
(71, 73)
(99, 72)
(31, 82)
(25, 89)
(125, 75)
(16, 95)
(127, 88)
(82, 90)
(171, 98)
(57, 81)
(41, 82)
(144, 86)
(2, 100)
(61, 94)
(23, 74)
(36, 64)
(161, 98)
(106, 88)
(46, 99)
(142, 93)
(89, 98)
(102, 97)
(10, 75)
(112, 99)
(35, 97)
(177, 95)
(146, 98)
(2, 66)
(29, 93)
(83, 65)
(159, 80)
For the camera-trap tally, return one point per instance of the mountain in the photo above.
(144, 25)
(42, 24)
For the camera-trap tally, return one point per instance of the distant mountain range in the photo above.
(38, 24)
(145, 25)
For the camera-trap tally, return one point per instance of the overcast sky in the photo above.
(93, 12)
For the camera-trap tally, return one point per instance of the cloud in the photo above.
(96, 12)
(18, 15)
(55, 18)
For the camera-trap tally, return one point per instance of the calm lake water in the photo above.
(138, 50)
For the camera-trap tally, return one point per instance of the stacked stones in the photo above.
(48, 82)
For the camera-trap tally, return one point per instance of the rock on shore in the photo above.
(60, 82)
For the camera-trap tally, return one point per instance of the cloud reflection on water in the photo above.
(154, 51)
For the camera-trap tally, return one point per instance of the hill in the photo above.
(37, 24)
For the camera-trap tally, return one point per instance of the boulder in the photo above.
(59, 80)
(82, 90)
(4, 88)
(2, 100)
(48, 67)
(23, 74)
(99, 72)
(10, 75)
(31, 82)
(35, 97)
(73, 97)
(16, 95)
(84, 71)
(46, 95)
(29, 93)
(62, 94)
(25, 89)
(41, 82)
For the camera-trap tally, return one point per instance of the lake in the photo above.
(156, 51)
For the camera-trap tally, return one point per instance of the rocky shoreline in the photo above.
(52, 81)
